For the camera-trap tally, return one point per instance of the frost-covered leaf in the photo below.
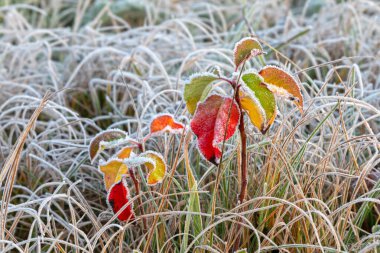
(258, 101)
(125, 152)
(209, 124)
(245, 49)
(254, 110)
(165, 123)
(118, 197)
(283, 84)
(157, 170)
(106, 139)
(113, 170)
(197, 89)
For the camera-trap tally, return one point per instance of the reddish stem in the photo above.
(243, 137)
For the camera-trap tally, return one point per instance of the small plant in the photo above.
(216, 118)
(123, 164)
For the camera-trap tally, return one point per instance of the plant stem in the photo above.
(243, 137)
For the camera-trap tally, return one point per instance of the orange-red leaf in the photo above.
(209, 125)
(165, 123)
(118, 198)
(282, 83)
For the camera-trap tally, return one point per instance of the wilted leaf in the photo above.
(282, 83)
(157, 170)
(197, 89)
(209, 124)
(245, 49)
(258, 101)
(105, 139)
(118, 197)
(165, 122)
(113, 170)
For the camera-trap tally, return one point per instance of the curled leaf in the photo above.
(105, 139)
(113, 170)
(157, 170)
(197, 89)
(282, 83)
(209, 125)
(118, 197)
(258, 101)
(245, 49)
(165, 123)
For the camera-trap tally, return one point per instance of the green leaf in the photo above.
(197, 89)
(258, 94)
(245, 49)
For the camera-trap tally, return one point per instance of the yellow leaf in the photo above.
(157, 170)
(113, 171)
(125, 153)
(255, 113)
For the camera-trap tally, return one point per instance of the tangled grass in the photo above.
(69, 69)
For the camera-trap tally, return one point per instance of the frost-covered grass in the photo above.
(313, 178)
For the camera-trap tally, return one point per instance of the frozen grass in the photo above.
(313, 179)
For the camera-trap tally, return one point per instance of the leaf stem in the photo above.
(243, 138)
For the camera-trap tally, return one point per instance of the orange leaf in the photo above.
(282, 83)
(165, 123)
(124, 152)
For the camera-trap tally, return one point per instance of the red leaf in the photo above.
(118, 197)
(209, 124)
(165, 122)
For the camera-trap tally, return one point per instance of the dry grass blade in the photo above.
(9, 169)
